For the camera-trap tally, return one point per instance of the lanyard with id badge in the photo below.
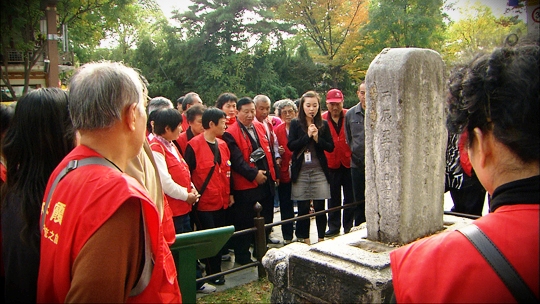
(307, 156)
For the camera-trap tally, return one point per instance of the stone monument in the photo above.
(405, 145)
(405, 158)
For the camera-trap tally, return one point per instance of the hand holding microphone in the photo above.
(312, 130)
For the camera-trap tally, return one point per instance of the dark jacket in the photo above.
(355, 135)
(298, 140)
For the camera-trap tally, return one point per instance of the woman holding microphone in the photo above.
(309, 137)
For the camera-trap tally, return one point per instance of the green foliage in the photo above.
(404, 23)
(20, 25)
(21, 32)
(478, 31)
(280, 48)
(230, 24)
(120, 22)
(331, 28)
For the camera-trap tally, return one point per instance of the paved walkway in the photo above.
(250, 274)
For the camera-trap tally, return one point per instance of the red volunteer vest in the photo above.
(282, 138)
(270, 135)
(242, 139)
(182, 142)
(447, 268)
(169, 232)
(179, 171)
(342, 152)
(84, 200)
(185, 123)
(216, 195)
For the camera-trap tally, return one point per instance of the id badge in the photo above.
(307, 157)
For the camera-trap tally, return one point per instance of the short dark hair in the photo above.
(194, 111)
(212, 115)
(243, 101)
(498, 92)
(166, 118)
(224, 98)
(180, 100)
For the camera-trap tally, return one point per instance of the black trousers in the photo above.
(339, 178)
(208, 220)
(243, 213)
(358, 177)
(286, 209)
(303, 226)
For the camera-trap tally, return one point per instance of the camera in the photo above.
(256, 155)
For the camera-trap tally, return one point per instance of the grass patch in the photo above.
(255, 292)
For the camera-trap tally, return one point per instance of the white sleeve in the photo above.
(170, 188)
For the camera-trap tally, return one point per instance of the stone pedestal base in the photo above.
(347, 269)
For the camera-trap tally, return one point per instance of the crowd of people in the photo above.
(105, 175)
(116, 175)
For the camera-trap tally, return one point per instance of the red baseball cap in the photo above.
(334, 95)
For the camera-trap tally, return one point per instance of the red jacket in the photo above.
(447, 268)
(282, 138)
(242, 139)
(216, 195)
(88, 202)
(342, 152)
(179, 171)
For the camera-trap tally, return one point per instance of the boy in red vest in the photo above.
(208, 158)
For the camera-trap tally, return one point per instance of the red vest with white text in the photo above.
(179, 171)
(216, 195)
(342, 152)
(243, 142)
(81, 203)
